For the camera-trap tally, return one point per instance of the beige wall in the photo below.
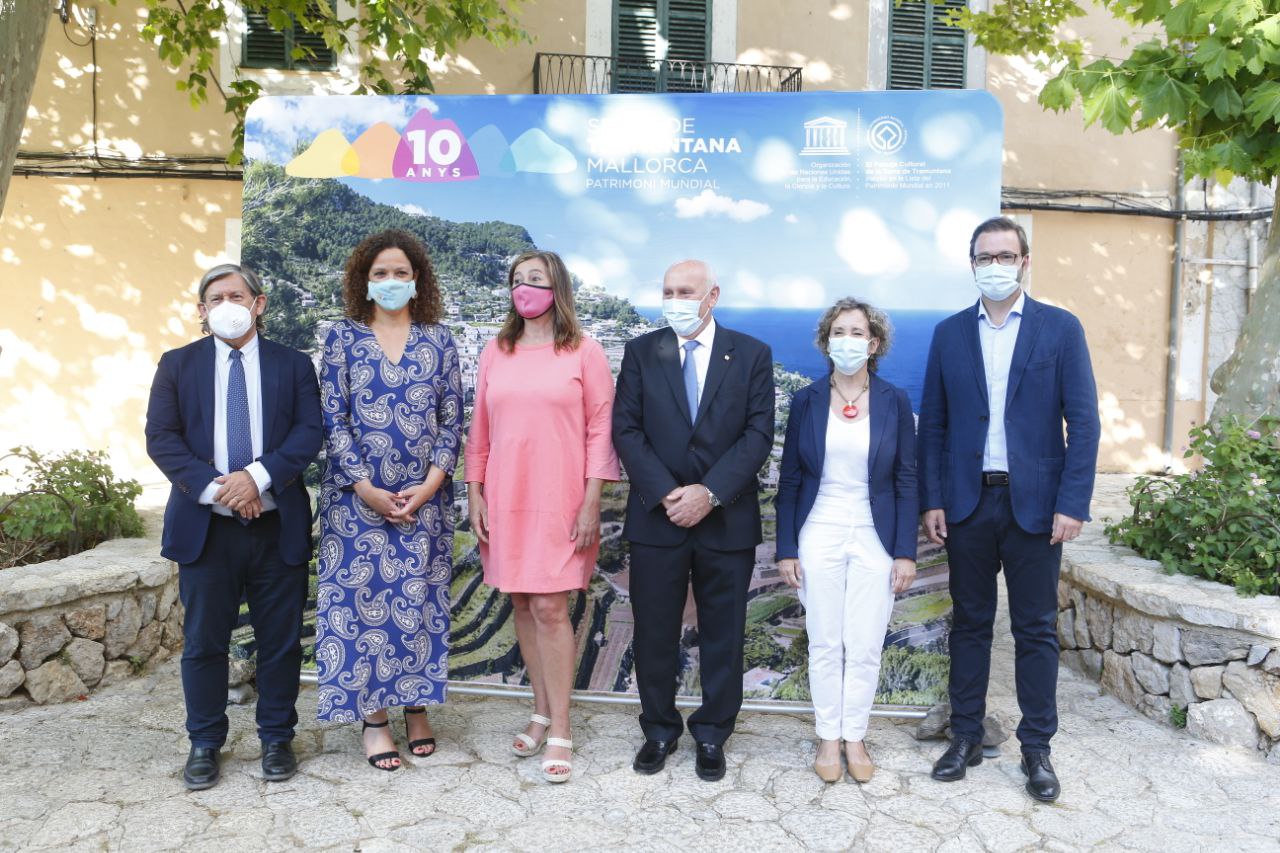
(826, 38)
(99, 275)
(99, 281)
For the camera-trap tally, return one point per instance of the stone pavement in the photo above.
(104, 774)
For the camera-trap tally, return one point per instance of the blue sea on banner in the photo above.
(791, 333)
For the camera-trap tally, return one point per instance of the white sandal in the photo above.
(528, 746)
(550, 764)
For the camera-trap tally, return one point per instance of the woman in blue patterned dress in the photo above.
(392, 397)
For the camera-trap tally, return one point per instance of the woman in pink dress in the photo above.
(537, 457)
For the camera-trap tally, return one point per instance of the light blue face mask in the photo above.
(996, 281)
(683, 315)
(848, 354)
(392, 294)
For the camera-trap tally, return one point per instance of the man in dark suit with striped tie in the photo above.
(233, 421)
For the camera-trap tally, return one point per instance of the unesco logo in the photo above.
(886, 135)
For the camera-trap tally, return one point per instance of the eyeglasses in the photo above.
(1004, 259)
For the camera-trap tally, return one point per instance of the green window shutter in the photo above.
(686, 29)
(266, 47)
(640, 26)
(635, 45)
(321, 57)
(924, 51)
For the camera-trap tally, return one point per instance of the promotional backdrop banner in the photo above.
(795, 200)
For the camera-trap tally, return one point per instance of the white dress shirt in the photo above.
(997, 355)
(253, 387)
(701, 355)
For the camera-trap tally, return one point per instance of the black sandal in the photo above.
(382, 756)
(420, 743)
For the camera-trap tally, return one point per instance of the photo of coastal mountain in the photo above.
(794, 199)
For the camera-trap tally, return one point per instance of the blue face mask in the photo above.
(848, 354)
(392, 294)
(683, 315)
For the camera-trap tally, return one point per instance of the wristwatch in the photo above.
(711, 496)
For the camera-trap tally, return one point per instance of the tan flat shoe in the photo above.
(828, 772)
(860, 770)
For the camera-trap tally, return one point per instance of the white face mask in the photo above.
(848, 354)
(996, 281)
(683, 315)
(230, 321)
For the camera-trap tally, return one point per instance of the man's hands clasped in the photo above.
(687, 505)
(239, 493)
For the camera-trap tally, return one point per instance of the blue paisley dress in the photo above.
(382, 607)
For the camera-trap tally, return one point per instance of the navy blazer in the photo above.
(723, 449)
(1050, 380)
(179, 432)
(891, 466)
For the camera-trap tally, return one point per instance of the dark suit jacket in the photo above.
(1050, 380)
(180, 441)
(891, 465)
(724, 450)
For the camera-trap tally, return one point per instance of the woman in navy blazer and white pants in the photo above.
(847, 522)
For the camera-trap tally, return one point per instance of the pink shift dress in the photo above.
(540, 428)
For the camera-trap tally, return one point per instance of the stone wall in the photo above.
(68, 626)
(1161, 642)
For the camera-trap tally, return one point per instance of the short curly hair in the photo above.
(427, 304)
(881, 328)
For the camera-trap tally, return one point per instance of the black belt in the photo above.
(995, 478)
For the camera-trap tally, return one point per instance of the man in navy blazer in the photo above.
(233, 421)
(1003, 489)
(693, 424)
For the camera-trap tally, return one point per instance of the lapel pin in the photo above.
(726, 357)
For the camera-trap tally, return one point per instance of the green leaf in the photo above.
(1217, 59)
(1108, 105)
(1222, 97)
(1268, 28)
(1180, 22)
(1263, 104)
(1238, 14)
(1058, 94)
(1165, 97)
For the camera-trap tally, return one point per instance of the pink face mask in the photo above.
(532, 301)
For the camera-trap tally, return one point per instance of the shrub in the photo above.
(63, 504)
(1222, 522)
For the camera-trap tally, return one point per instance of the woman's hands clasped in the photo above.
(381, 501)
(791, 572)
(397, 507)
(411, 500)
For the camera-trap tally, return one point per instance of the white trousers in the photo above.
(847, 591)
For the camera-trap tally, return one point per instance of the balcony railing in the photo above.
(574, 74)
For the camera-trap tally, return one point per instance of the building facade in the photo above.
(121, 199)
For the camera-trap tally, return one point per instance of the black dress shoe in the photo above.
(652, 757)
(278, 761)
(1042, 782)
(202, 768)
(710, 762)
(959, 757)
